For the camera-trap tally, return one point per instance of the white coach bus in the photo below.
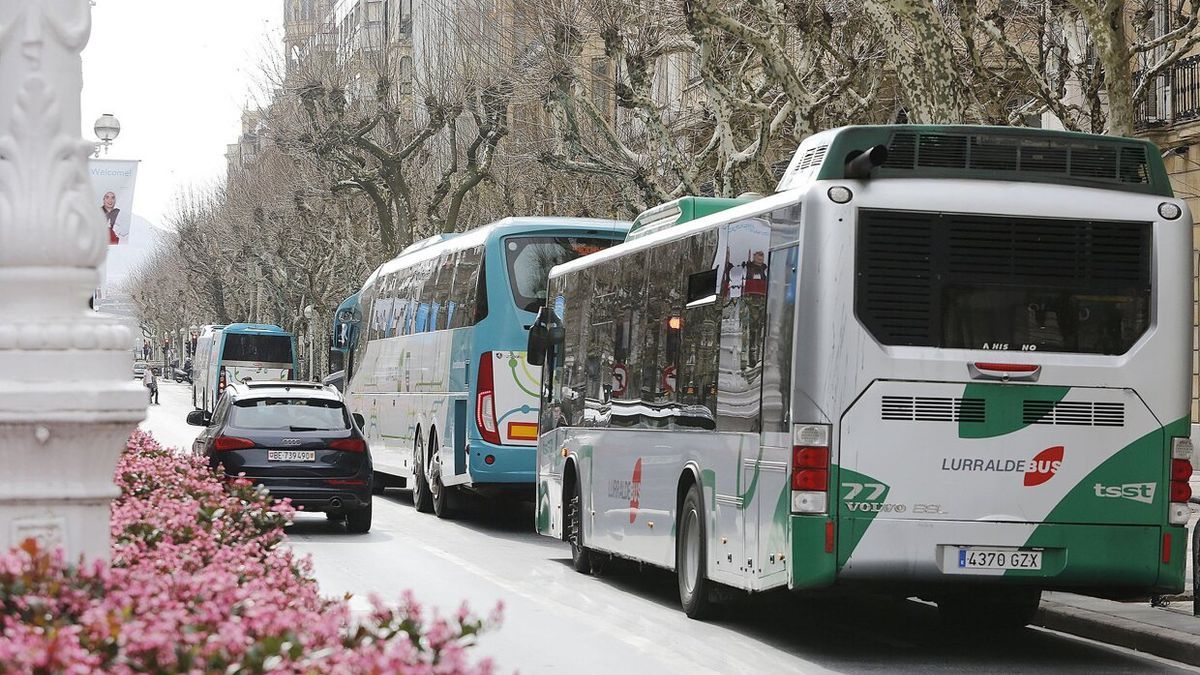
(950, 362)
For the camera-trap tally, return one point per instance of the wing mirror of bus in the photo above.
(539, 339)
(198, 418)
(360, 420)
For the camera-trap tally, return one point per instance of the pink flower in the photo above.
(199, 583)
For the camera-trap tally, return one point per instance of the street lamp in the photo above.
(107, 129)
(308, 316)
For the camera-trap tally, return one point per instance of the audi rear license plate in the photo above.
(291, 455)
(979, 558)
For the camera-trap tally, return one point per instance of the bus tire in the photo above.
(581, 557)
(690, 557)
(441, 496)
(989, 610)
(422, 499)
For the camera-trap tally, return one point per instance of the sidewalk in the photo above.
(1169, 632)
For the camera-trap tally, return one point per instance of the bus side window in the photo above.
(481, 295)
(409, 298)
(466, 282)
(567, 390)
(701, 333)
(742, 255)
(665, 293)
(628, 334)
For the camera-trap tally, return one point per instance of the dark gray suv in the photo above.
(298, 440)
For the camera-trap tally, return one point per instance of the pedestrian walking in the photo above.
(150, 381)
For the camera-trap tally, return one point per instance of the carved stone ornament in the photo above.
(67, 399)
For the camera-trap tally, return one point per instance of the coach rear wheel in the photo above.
(442, 496)
(690, 552)
(422, 499)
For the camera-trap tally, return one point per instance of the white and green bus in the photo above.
(949, 362)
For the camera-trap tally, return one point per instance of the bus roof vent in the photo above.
(679, 211)
(985, 153)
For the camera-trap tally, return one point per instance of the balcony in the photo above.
(1174, 98)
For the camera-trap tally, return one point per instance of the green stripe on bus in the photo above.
(1002, 406)
(1143, 461)
(852, 525)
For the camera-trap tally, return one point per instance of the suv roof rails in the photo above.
(284, 383)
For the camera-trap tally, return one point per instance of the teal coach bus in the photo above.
(436, 363)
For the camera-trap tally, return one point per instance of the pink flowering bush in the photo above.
(199, 583)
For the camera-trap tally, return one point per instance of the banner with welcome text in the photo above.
(112, 183)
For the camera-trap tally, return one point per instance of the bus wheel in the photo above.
(690, 556)
(442, 496)
(581, 558)
(422, 499)
(989, 609)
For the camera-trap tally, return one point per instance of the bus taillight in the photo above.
(221, 382)
(810, 468)
(1181, 473)
(485, 401)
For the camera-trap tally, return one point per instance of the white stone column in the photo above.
(68, 400)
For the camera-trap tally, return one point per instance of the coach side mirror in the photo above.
(539, 338)
(198, 418)
(359, 420)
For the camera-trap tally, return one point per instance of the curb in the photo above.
(1115, 630)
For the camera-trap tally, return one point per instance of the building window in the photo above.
(406, 75)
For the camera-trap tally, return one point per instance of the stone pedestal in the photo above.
(68, 400)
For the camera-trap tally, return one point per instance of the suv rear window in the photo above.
(257, 348)
(291, 414)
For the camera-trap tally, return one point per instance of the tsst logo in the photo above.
(1138, 492)
(1043, 466)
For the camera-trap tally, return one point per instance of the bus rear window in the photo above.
(961, 281)
(257, 348)
(529, 261)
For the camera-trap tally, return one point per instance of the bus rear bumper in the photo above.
(509, 463)
(1103, 559)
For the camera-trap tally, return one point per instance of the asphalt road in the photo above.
(629, 622)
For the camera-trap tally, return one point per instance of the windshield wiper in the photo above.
(309, 429)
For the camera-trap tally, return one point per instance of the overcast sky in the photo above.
(177, 74)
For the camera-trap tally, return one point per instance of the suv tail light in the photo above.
(810, 468)
(223, 443)
(485, 401)
(348, 445)
(1181, 473)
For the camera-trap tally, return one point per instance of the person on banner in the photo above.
(116, 231)
(150, 381)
